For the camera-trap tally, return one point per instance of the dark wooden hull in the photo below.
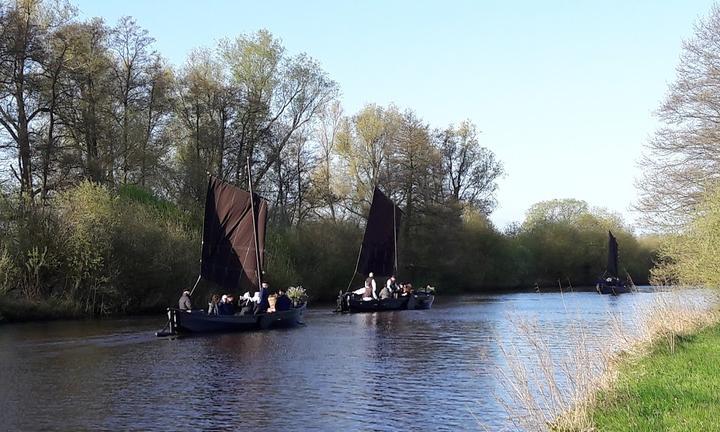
(612, 289)
(419, 301)
(201, 322)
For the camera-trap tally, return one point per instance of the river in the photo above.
(410, 370)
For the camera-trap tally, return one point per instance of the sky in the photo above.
(564, 92)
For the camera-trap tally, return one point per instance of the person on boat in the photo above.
(385, 293)
(283, 302)
(371, 286)
(184, 303)
(230, 305)
(213, 305)
(263, 303)
(222, 306)
(392, 285)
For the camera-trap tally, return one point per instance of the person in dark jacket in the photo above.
(283, 302)
(263, 304)
(184, 303)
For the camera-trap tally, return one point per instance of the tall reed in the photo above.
(554, 388)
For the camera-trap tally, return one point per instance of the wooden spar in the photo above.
(395, 270)
(202, 242)
(196, 284)
(252, 209)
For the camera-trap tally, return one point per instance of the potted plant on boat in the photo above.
(298, 295)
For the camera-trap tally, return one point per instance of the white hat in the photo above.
(371, 274)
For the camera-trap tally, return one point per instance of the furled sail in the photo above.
(612, 262)
(229, 256)
(378, 252)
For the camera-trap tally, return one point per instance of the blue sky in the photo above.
(563, 91)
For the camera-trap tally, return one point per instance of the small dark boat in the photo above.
(419, 300)
(378, 255)
(233, 249)
(609, 282)
(198, 321)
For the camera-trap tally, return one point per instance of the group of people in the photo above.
(260, 302)
(392, 289)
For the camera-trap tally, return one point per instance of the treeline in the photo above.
(106, 150)
(680, 188)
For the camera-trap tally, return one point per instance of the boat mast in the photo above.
(395, 239)
(252, 209)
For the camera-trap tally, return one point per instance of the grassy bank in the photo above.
(666, 390)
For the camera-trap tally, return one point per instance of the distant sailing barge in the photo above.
(233, 249)
(610, 282)
(378, 255)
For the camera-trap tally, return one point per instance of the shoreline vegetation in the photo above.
(108, 147)
(663, 375)
(623, 381)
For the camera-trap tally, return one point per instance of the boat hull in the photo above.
(419, 301)
(201, 322)
(612, 289)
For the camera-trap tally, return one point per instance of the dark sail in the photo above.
(228, 253)
(612, 263)
(377, 254)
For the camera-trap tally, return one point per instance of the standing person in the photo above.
(263, 303)
(371, 286)
(184, 303)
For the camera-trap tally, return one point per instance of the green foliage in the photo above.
(297, 294)
(97, 251)
(319, 255)
(568, 243)
(88, 214)
(693, 256)
(666, 390)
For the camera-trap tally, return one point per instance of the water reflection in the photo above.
(390, 371)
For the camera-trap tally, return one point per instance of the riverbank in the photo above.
(23, 310)
(674, 387)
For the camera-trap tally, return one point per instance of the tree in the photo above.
(129, 46)
(471, 171)
(366, 146)
(683, 157)
(24, 29)
(86, 106)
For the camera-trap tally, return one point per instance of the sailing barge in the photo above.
(378, 255)
(610, 282)
(233, 250)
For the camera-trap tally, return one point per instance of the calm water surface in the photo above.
(419, 370)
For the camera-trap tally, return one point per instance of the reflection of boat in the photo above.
(233, 249)
(378, 255)
(610, 283)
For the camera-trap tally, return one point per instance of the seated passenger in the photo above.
(408, 289)
(283, 302)
(385, 293)
(392, 285)
(222, 306)
(213, 305)
(184, 303)
(230, 308)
